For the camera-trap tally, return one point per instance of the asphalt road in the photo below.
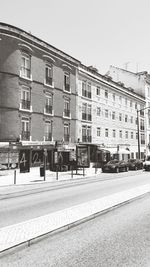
(22, 206)
(120, 237)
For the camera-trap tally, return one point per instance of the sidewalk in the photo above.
(7, 177)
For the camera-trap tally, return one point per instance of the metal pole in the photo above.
(71, 171)
(138, 135)
(44, 167)
(56, 172)
(14, 176)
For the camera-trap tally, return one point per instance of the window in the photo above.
(131, 104)
(98, 111)
(49, 103)
(89, 90)
(135, 105)
(120, 99)
(126, 118)
(142, 126)
(114, 133)
(98, 90)
(113, 115)
(98, 131)
(131, 119)
(67, 107)
(66, 132)
(48, 131)
(106, 132)
(106, 93)
(120, 116)
(126, 102)
(120, 133)
(142, 139)
(126, 134)
(25, 129)
(49, 75)
(83, 88)
(106, 113)
(25, 66)
(86, 133)
(131, 135)
(25, 98)
(86, 89)
(67, 82)
(86, 112)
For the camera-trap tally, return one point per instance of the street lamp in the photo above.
(138, 130)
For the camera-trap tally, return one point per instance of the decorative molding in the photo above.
(48, 58)
(25, 47)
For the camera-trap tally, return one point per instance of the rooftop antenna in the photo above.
(126, 65)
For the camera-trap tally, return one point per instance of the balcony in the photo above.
(86, 139)
(67, 114)
(48, 136)
(66, 137)
(25, 105)
(48, 110)
(25, 135)
(67, 88)
(86, 117)
(48, 81)
(25, 73)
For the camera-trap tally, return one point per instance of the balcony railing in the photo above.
(25, 135)
(66, 137)
(67, 87)
(25, 104)
(48, 137)
(86, 138)
(48, 109)
(49, 81)
(66, 113)
(25, 73)
(86, 117)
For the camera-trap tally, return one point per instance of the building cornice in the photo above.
(114, 85)
(33, 40)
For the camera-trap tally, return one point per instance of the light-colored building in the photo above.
(139, 83)
(107, 114)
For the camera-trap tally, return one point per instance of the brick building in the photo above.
(37, 89)
(48, 96)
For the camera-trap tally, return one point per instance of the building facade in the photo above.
(37, 89)
(49, 97)
(139, 83)
(107, 114)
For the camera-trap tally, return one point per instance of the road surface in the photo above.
(23, 206)
(120, 237)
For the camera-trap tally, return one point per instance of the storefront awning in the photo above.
(121, 151)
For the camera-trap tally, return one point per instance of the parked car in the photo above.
(146, 163)
(2, 167)
(135, 164)
(115, 166)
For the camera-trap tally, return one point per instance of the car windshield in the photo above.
(113, 161)
(132, 160)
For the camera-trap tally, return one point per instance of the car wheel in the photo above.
(117, 170)
(127, 169)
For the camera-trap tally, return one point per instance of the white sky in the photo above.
(96, 32)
